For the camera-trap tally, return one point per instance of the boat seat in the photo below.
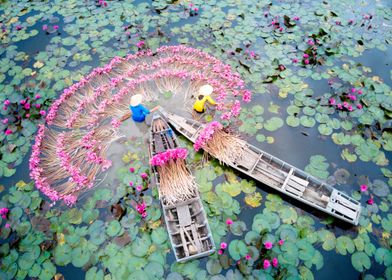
(342, 206)
(184, 215)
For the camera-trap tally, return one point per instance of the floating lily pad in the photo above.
(360, 261)
(237, 249)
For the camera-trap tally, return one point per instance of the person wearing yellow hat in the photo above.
(139, 112)
(203, 97)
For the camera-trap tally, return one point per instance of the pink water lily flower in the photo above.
(45, 27)
(144, 176)
(248, 257)
(275, 262)
(306, 61)
(281, 242)
(266, 264)
(220, 252)
(7, 225)
(229, 222)
(131, 169)
(332, 101)
(364, 188)
(42, 112)
(223, 245)
(139, 188)
(8, 132)
(370, 201)
(5, 121)
(359, 106)
(7, 102)
(268, 245)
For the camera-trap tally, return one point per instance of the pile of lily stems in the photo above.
(224, 146)
(176, 182)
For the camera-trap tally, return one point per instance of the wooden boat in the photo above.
(186, 222)
(279, 175)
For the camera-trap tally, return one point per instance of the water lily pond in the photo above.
(320, 76)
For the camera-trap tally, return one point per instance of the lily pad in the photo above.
(360, 261)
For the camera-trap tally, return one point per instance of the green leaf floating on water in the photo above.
(318, 167)
(141, 245)
(237, 249)
(114, 228)
(273, 124)
(344, 244)
(360, 261)
(159, 235)
(214, 267)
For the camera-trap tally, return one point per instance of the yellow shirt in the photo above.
(199, 104)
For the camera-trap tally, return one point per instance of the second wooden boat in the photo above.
(272, 171)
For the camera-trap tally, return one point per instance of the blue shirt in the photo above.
(139, 113)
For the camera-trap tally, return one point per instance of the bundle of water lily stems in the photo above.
(176, 182)
(221, 144)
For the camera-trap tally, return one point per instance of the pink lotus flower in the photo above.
(42, 112)
(359, 106)
(7, 102)
(332, 101)
(131, 184)
(350, 108)
(139, 188)
(370, 201)
(268, 245)
(359, 91)
(305, 55)
(27, 106)
(248, 257)
(352, 97)
(306, 61)
(131, 169)
(37, 106)
(229, 222)
(345, 104)
(4, 211)
(281, 242)
(353, 90)
(196, 9)
(5, 121)
(220, 252)
(295, 60)
(140, 44)
(223, 245)
(364, 188)
(144, 176)
(55, 27)
(340, 107)
(275, 262)
(8, 132)
(144, 215)
(22, 102)
(266, 264)
(7, 225)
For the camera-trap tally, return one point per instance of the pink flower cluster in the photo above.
(267, 263)
(141, 209)
(348, 101)
(164, 157)
(206, 134)
(3, 212)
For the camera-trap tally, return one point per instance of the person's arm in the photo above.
(126, 116)
(210, 100)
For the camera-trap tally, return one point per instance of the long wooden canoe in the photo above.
(186, 221)
(279, 175)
